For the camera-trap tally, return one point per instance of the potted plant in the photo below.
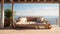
(8, 17)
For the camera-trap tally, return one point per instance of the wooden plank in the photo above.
(32, 1)
(0, 1)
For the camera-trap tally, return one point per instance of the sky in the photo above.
(38, 9)
(35, 9)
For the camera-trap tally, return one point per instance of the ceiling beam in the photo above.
(32, 1)
(11, 1)
(0, 1)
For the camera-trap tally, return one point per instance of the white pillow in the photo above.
(42, 19)
(23, 19)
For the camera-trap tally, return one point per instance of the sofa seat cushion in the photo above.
(22, 23)
(28, 23)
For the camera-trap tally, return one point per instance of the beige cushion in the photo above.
(32, 22)
(22, 19)
(22, 23)
(42, 19)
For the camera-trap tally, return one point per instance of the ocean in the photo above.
(53, 21)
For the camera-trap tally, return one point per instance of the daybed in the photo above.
(32, 22)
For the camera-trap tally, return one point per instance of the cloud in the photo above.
(41, 13)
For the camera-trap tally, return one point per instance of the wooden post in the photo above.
(2, 13)
(11, 24)
(12, 13)
(59, 14)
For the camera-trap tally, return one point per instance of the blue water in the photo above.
(44, 16)
(52, 21)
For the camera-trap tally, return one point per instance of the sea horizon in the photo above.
(51, 19)
(39, 16)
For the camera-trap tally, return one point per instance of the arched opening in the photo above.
(49, 11)
(3, 10)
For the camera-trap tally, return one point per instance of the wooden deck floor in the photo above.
(53, 30)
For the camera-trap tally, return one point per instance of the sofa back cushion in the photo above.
(31, 19)
(23, 19)
(38, 20)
